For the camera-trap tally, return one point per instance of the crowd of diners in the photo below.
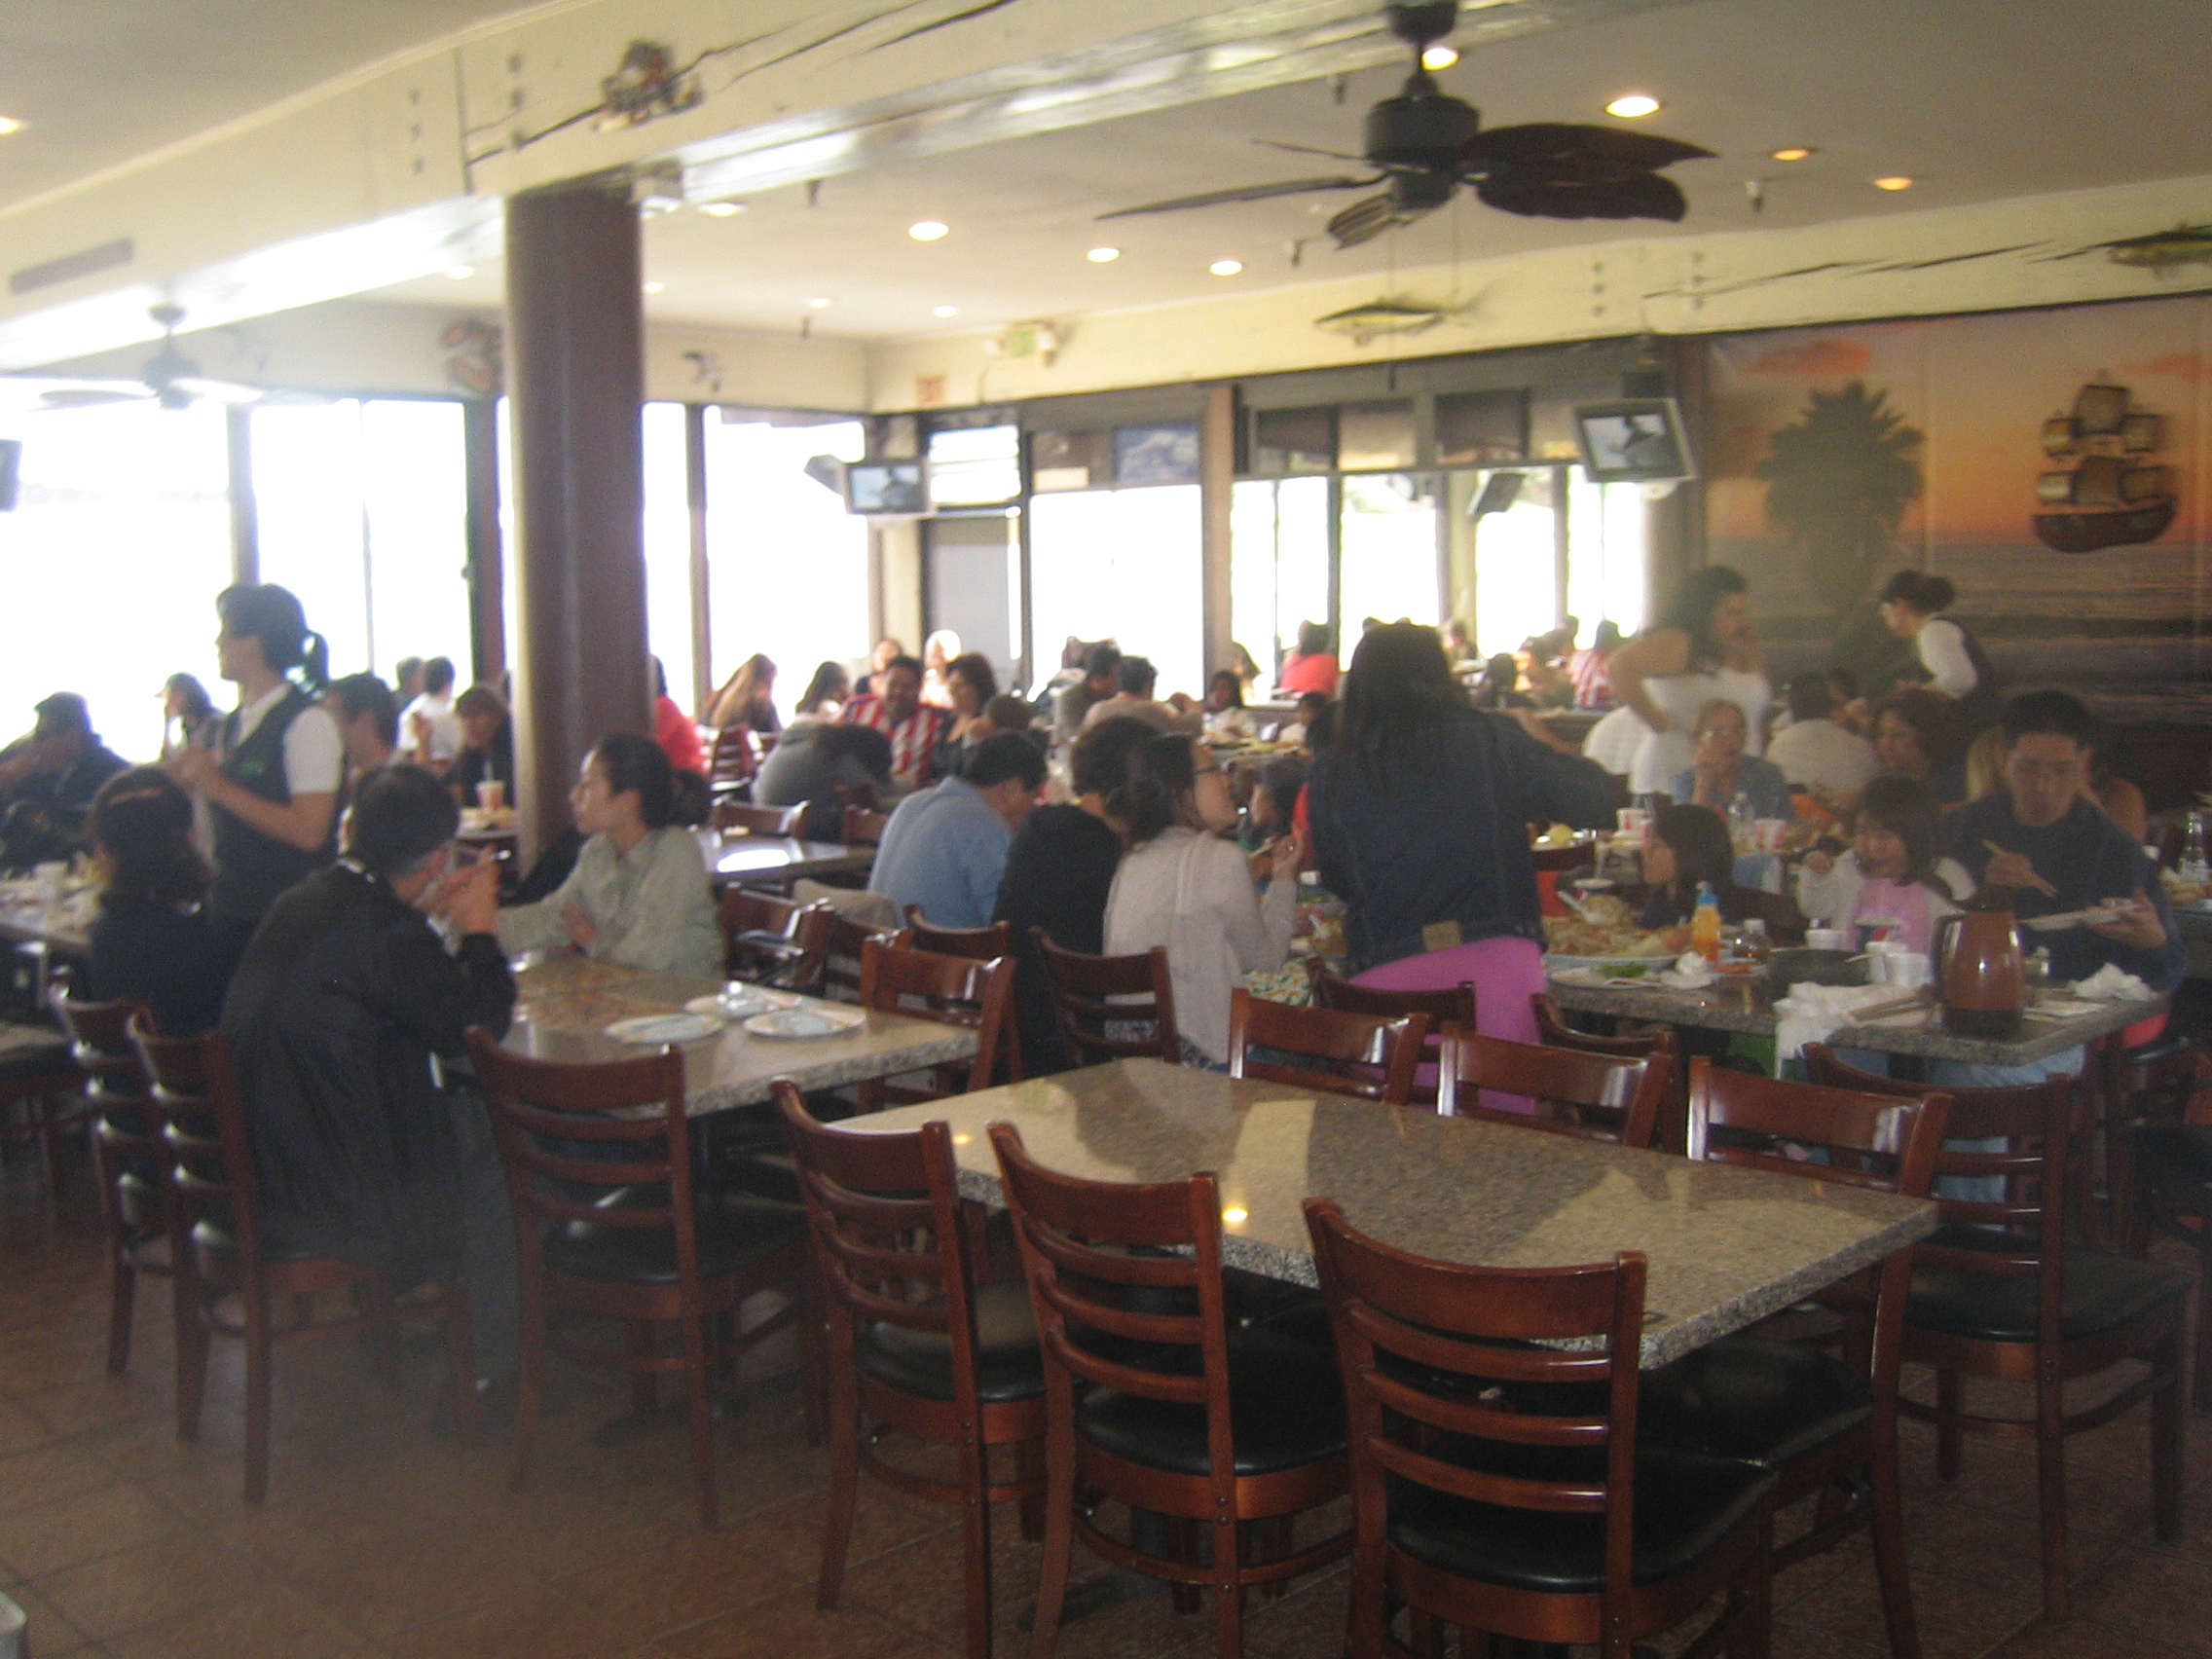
(288, 870)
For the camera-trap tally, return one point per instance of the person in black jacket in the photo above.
(342, 1016)
(1058, 871)
(151, 943)
(48, 781)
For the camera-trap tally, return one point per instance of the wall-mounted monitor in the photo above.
(888, 489)
(1637, 440)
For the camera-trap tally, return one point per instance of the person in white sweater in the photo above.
(1891, 873)
(1182, 887)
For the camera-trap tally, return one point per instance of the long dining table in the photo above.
(1725, 1245)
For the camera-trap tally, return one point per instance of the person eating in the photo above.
(944, 849)
(1720, 772)
(1892, 870)
(1916, 736)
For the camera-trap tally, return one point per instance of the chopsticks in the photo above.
(2035, 881)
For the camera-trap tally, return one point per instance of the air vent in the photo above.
(71, 265)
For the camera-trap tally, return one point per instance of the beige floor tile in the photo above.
(173, 1576)
(272, 1622)
(60, 1535)
(2150, 1597)
(29, 1479)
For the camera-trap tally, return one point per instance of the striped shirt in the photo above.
(914, 740)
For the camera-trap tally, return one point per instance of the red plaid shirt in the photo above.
(914, 740)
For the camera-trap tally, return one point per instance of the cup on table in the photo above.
(1909, 970)
(1767, 832)
(1633, 820)
(1882, 957)
(1826, 938)
(492, 794)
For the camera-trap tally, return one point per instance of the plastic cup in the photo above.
(492, 794)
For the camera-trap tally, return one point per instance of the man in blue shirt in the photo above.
(944, 848)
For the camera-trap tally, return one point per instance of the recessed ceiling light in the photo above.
(10, 125)
(1791, 152)
(721, 209)
(1226, 267)
(461, 273)
(946, 310)
(928, 229)
(1103, 255)
(1235, 1215)
(1895, 182)
(1630, 105)
(821, 302)
(656, 287)
(1439, 57)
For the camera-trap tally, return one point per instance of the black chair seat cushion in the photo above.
(2177, 1162)
(2101, 1291)
(211, 1236)
(732, 1237)
(1285, 1404)
(1754, 1398)
(1686, 1502)
(1008, 1366)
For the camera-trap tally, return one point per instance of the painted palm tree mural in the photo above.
(1840, 480)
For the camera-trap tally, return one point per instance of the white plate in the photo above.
(2090, 918)
(816, 1022)
(661, 1028)
(740, 1002)
(1647, 962)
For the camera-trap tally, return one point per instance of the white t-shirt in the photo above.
(445, 728)
(1942, 646)
(1820, 755)
(1614, 740)
(315, 752)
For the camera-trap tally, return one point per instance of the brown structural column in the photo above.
(576, 369)
(1217, 483)
(487, 556)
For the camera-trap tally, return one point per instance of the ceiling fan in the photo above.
(171, 378)
(1424, 144)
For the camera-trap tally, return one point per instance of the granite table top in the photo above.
(567, 1003)
(1739, 1006)
(1726, 1246)
(732, 857)
(29, 922)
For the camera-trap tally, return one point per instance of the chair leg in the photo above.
(1059, 1540)
(702, 1414)
(259, 1357)
(461, 1363)
(1270, 1542)
(844, 1483)
(2051, 1500)
(530, 1377)
(42, 1121)
(644, 1387)
(190, 1334)
(1029, 1466)
(1886, 1520)
(121, 1297)
(2201, 1385)
(2166, 1443)
(1947, 1435)
(1228, 1594)
(976, 1549)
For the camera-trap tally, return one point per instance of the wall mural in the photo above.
(2052, 464)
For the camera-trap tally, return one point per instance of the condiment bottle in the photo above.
(1704, 924)
(1757, 948)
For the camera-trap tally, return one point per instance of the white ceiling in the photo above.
(101, 81)
(1978, 99)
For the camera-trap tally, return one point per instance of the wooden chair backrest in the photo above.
(1453, 1005)
(952, 990)
(1555, 1032)
(978, 944)
(734, 760)
(1601, 1097)
(840, 975)
(1093, 995)
(99, 1041)
(1369, 1055)
(211, 1150)
(754, 820)
(863, 827)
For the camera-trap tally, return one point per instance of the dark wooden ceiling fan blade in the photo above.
(1310, 150)
(1244, 193)
(1364, 221)
(1641, 196)
(1574, 151)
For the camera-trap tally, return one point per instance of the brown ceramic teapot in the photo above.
(1980, 975)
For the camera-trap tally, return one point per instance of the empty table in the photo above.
(778, 861)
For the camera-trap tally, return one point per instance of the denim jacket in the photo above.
(1441, 856)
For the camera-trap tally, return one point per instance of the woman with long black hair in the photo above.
(1420, 809)
(271, 780)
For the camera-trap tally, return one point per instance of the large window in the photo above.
(363, 509)
(1389, 550)
(113, 557)
(1278, 566)
(1121, 564)
(667, 548)
(788, 564)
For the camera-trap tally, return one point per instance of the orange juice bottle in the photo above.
(1704, 924)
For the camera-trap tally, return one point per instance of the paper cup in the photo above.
(1910, 969)
(491, 795)
(1826, 938)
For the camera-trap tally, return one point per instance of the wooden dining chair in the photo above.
(1997, 1292)
(773, 941)
(129, 1159)
(1453, 1005)
(978, 944)
(915, 1341)
(1554, 1032)
(1156, 1400)
(1111, 1008)
(39, 1080)
(1498, 1480)
(1600, 1098)
(220, 1253)
(951, 990)
(627, 1237)
(1369, 1055)
(733, 762)
(841, 977)
(743, 817)
(864, 828)
(1825, 1425)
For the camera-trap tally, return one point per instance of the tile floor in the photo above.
(381, 1538)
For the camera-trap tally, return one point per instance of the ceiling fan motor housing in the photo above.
(1419, 24)
(1420, 127)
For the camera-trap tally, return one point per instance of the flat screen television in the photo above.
(1636, 440)
(888, 489)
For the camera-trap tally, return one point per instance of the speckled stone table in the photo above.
(569, 1001)
(1737, 1007)
(1726, 1246)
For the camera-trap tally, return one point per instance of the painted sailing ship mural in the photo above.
(2108, 492)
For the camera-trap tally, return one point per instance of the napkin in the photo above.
(2109, 984)
(1690, 973)
(1813, 1014)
